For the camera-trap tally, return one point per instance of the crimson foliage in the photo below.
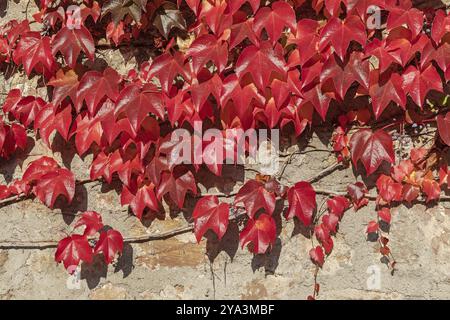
(232, 64)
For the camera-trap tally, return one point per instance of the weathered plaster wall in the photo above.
(178, 268)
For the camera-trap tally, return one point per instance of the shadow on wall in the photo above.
(421, 4)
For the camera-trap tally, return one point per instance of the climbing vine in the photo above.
(375, 72)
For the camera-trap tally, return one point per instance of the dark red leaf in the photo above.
(385, 215)
(317, 256)
(443, 124)
(110, 243)
(71, 41)
(261, 62)
(339, 33)
(372, 227)
(34, 52)
(92, 222)
(357, 192)
(177, 187)
(254, 196)
(208, 48)
(144, 197)
(95, 86)
(337, 205)
(388, 189)
(137, 103)
(302, 202)
(55, 183)
(372, 148)
(417, 83)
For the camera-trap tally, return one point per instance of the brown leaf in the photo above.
(120, 8)
(169, 17)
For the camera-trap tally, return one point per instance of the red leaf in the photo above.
(48, 120)
(334, 6)
(384, 89)
(95, 86)
(402, 170)
(302, 202)
(5, 192)
(136, 103)
(254, 196)
(388, 189)
(441, 26)
(24, 109)
(413, 18)
(236, 4)
(275, 19)
(261, 233)
(442, 58)
(55, 183)
(201, 92)
(306, 39)
(87, 132)
(110, 243)
(410, 193)
(384, 54)
(13, 97)
(16, 30)
(443, 124)
(166, 67)
(143, 198)
(71, 41)
(340, 33)
(73, 249)
(208, 48)
(357, 192)
(319, 99)
(419, 83)
(65, 85)
(372, 227)
(33, 51)
(92, 222)
(418, 154)
(106, 165)
(210, 215)
(176, 187)
(38, 168)
(12, 137)
(242, 30)
(372, 148)
(317, 256)
(337, 205)
(330, 221)
(432, 189)
(116, 33)
(242, 98)
(261, 63)
(323, 236)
